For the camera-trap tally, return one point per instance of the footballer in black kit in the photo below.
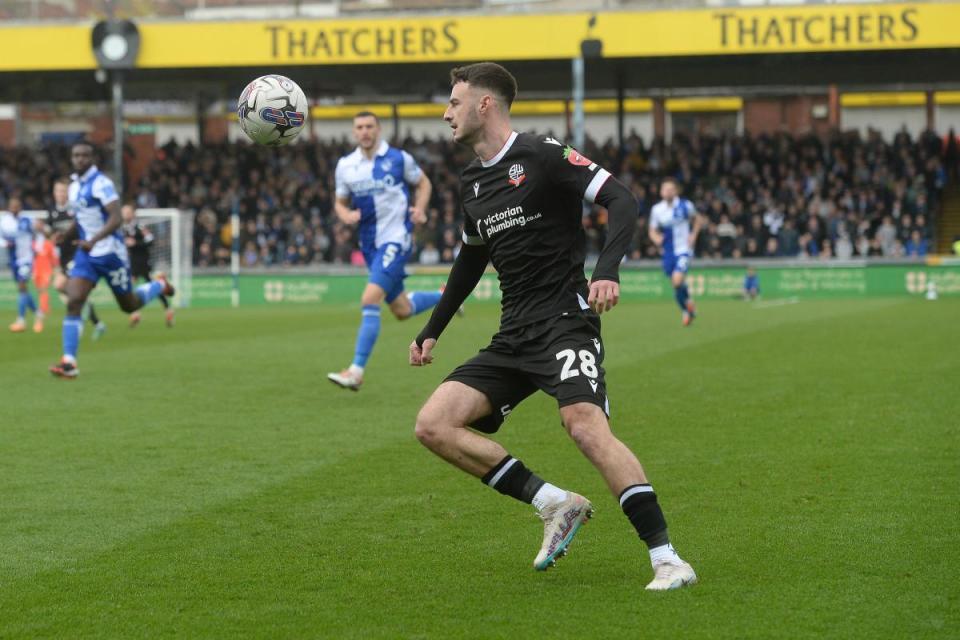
(525, 207)
(522, 201)
(139, 241)
(61, 227)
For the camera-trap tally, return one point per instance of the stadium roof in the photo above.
(642, 51)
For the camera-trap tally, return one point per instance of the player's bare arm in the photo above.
(112, 224)
(466, 272)
(345, 214)
(421, 199)
(654, 234)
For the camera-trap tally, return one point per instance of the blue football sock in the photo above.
(367, 336)
(71, 335)
(420, 301)
(22, 304)
(30, 303)
(682, 294)
(148, 291)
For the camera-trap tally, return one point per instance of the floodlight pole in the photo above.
(579, 123)
(235, 253)
(118, 128)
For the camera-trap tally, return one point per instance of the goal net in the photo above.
(172, 249)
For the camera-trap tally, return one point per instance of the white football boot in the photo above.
(670, 575)
(346, 379)
(561, 522)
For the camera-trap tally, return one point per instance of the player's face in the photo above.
(60, 194)
(668, 191)
(128, 213)
(463, 112)
(82, 158)
(15, 206)
(366, 131)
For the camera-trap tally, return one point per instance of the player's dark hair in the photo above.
(62, 180)
(367, 114)
(83, 143)
(487, 75)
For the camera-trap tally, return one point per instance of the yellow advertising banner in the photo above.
(791, 29)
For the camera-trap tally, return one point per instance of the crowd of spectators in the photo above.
(761, 196)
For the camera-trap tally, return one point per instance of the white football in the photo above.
(272, 110)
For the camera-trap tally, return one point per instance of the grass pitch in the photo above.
(207, 481)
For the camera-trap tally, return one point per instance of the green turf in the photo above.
(207, 481)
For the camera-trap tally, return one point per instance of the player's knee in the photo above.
(129, 306)
(429, 428)
(584, 428)
(400, 314)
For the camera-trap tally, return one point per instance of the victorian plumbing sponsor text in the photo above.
(512, 217)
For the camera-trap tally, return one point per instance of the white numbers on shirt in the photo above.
(588, 364)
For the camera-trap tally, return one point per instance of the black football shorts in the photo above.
(561, 356)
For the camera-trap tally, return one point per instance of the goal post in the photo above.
(172, 247)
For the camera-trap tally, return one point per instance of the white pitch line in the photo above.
(768, 304)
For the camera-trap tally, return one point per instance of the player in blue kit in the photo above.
(101, 253)
(375, 179)
(674, 226)
(18, 234)
(751, 284)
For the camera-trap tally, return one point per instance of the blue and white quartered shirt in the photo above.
(89, 196)
(673, 220)
(18, 236)
(379, 188)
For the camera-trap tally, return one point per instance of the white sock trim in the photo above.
(632, 491)
(355, 369)
(664, 553)
(503, 470)
(547, 495)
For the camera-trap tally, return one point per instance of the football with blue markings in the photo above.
(272, 110)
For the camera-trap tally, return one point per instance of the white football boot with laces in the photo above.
(672, 575)
(561, 521)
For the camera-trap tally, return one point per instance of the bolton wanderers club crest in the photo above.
(516, 176)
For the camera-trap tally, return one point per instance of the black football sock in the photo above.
(94, 318)
(639, 503)
(163, 300)
(511, 478)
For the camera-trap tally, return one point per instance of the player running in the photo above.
(375, 179)
(139, 240)
(18, 235)
(61, 227)
(100, 254)
(522, 200)
(671, 231)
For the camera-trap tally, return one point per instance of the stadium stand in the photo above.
(764, 196)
